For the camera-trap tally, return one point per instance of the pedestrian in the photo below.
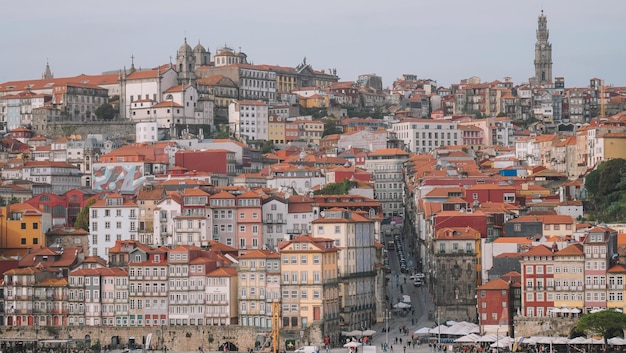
(404, 348)
(392, 348)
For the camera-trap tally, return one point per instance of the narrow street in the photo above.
(398, 285)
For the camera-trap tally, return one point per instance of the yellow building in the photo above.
(314, 101)
(613, 145)
(276, 129)
(310, 289)
(569, 276)
(22, 226)
(615, 286)
(259, 278)
(310, 131)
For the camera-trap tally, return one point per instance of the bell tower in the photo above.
(543, 52)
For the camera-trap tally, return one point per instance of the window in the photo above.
(517, 227)
(23, 225)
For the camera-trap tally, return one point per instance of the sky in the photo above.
(443, 40)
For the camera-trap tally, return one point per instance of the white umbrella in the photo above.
(441, 329)
(593, 341)
(488, 338)
(617, 341)
(368, 332)
(471, 338)
(577, 340)
(560, 340)
(502, 342)
(424, 331)
(352, 344)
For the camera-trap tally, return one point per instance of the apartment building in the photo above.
(386, 166)
(259, 286)
(249, 221)
(275, 211)
(112, 218)
(148, 287)
(425, 135)
(355, 235)
(248, 119)
(310, 288)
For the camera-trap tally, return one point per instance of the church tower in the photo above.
(185, 64)
(543, 52)
(47, 74)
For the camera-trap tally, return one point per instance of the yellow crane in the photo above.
(274, 335)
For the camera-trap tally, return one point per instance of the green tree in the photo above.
(335, 188)
(330, 127)
(105, 112)
(267, 147)
(82, 220)
(607, 191)
(608, 323)
(591, 182)
(611, 173)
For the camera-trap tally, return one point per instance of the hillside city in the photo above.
(213, 192)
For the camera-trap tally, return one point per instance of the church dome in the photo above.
(185, 48)
(199, 48)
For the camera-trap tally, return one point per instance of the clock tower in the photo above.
(543, 52)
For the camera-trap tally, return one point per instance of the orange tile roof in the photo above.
(571, 250)
(539, 250)
(495, 284)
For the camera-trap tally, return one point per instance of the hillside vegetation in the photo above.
(607, 191)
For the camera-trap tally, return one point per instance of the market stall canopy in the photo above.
(424, 331)
(471, 338)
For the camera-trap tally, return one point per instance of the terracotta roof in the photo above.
(495, 284)
(539, 250)
(223, 272)
(260, 254)
(571, 250)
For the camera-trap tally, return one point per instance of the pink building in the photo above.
(249, 222)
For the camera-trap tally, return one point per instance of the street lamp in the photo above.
(498, 338)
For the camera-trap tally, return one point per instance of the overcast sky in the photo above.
(444, 40)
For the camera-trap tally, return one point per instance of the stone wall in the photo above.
(543, 326)
(122, 130)
(175, 338)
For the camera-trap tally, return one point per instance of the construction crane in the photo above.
(270, 344)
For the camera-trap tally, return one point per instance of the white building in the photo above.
(61, 176)
(145, 85)
(300, 179)
(300, 213)
(424, 135)
(275, 212)
(112, 218)
(146, 131)
(365, 139)
(248, 119)
(386, 167)
(163, 222)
